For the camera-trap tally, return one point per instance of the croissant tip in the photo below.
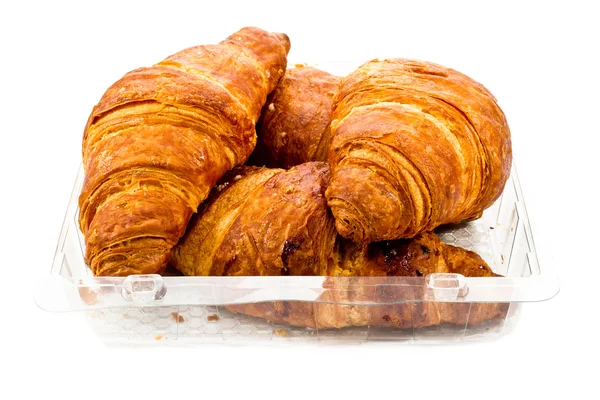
(284, 39)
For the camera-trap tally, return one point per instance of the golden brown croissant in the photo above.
(294, 124)
(414, 145)
(261, 221)
(161, 137)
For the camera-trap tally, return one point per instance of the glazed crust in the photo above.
(161, 137)
(416, 141)
(261, 221)
(294, 123)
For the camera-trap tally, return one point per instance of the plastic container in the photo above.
(177, 309)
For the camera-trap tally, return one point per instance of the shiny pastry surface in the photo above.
(294, 124)
(159, 140)
(414, 145)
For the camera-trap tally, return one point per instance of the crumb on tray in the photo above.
(177, 317)
(212, 317)
(87, 295)
(281, 332)
(158, 337)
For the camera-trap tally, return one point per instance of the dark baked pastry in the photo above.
(161, 137)
(414, 145)
(294, 123)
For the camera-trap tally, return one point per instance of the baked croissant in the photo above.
(294, 124)
(414, 145)
(159, 140)
(261, 221)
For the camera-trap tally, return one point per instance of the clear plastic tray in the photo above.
(168, 308)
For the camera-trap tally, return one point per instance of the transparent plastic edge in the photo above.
(57, 294)
(546, 284)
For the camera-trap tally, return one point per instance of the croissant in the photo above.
(294, 123)
(159, 140)
(261, 221)
(414, 145)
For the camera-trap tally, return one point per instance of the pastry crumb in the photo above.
(158, 337)
(299, 65)
(177, 317)
(281, 332)
(502, 257)
(222, 186)
(213, 317)
(237, 177)
(88, 296)
(271, 107)
(283, 134)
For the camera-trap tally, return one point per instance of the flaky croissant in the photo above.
(294, 124)
(161, 137)
(414, 145)
(261, 221)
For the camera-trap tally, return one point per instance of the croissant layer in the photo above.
(414, 145)
(159, 140)
(261, 221)
(294, 124)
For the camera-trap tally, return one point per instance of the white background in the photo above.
(540, 61)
